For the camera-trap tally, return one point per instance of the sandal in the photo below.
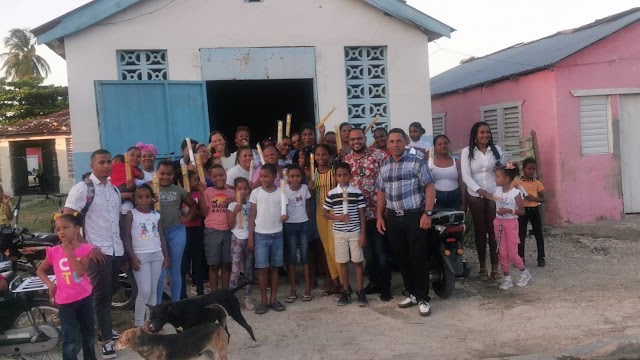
(484, 272)
(291, 299)
(277, 306)
(307, 297)
(495, 274)
(262, 309)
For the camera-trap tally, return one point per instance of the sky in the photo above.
(482, 27)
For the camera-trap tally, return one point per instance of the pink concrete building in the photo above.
(579, 89)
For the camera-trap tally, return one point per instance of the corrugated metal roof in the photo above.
(53, 32)
(528, 57)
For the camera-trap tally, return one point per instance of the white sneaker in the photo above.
(525, 277)
(248, 304)
(424, 309)
(108, 351)
(408, 302)
(507, 283)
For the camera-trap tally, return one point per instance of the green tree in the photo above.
(21, 59)
(27, 98)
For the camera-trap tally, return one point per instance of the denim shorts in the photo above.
(269, 250)
(297, 234)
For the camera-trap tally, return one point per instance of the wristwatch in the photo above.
(428, 212)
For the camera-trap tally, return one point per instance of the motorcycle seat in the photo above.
(45, 238)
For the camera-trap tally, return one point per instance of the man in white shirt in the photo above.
(102, 230)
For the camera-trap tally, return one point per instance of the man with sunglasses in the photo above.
(365, 164)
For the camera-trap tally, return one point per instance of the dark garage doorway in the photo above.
(259, 104)
(48, 180)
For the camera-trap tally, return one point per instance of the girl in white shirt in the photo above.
(243, 166)
(509, 204)
(415, 132)
(445, 170)
(478, 162)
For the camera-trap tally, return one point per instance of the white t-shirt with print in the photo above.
(297, 204)
(506, 200)
(420, 144)
(241, 233)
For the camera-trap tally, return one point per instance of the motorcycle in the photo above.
(29, 324)
(447, 261)
(25, 249)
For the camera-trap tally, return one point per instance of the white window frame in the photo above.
(500, 135)
(608, 120)
(439, 117)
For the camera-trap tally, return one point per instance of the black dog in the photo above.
(191, 312)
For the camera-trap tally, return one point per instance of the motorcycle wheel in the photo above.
(443, 287)
(125, 296)
(43, 313)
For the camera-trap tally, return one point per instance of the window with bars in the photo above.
(505, 121)
(594, 125)
(437, 124)
(367, 85)
(142, 65)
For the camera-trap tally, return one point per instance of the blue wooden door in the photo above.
(162, 113)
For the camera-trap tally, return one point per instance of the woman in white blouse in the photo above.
(478, 161)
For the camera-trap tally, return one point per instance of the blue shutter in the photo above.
(162, 113)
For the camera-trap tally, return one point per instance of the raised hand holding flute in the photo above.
(191, 157)
(127, 167)
(156, 190)
(239, 201)
(366, 131)
(283, 198)
(200, 170)
(185, 178)
(288, 132)
(260, 153)
(325, 118)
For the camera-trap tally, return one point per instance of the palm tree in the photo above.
(21, 59)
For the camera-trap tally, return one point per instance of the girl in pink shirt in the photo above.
(214, 202)
(72, 289)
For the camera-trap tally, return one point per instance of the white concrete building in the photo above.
(160, 70)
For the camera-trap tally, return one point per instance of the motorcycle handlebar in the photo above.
(16, 209)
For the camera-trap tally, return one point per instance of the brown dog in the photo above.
(209, 340)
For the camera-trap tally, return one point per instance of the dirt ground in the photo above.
(588, 291)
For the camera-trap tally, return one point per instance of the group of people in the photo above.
(253, 210)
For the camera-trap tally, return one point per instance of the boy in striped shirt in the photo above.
(348, 218)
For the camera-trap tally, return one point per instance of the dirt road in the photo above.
(588, 291)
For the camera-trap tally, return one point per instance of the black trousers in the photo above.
(104, 280)
(531, 214)
(193, 260)
(412, 251)
(375, 252)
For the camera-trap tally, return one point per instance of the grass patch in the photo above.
(36, 213)
(122, 319)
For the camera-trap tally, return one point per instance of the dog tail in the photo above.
(235, 289)
(222, 320)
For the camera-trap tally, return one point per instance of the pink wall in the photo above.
(579, 188)
(538, 113)
(609, 63)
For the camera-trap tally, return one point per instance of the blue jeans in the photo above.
(77, 318)
(297, 233)
(176, 237)
(268, 250)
